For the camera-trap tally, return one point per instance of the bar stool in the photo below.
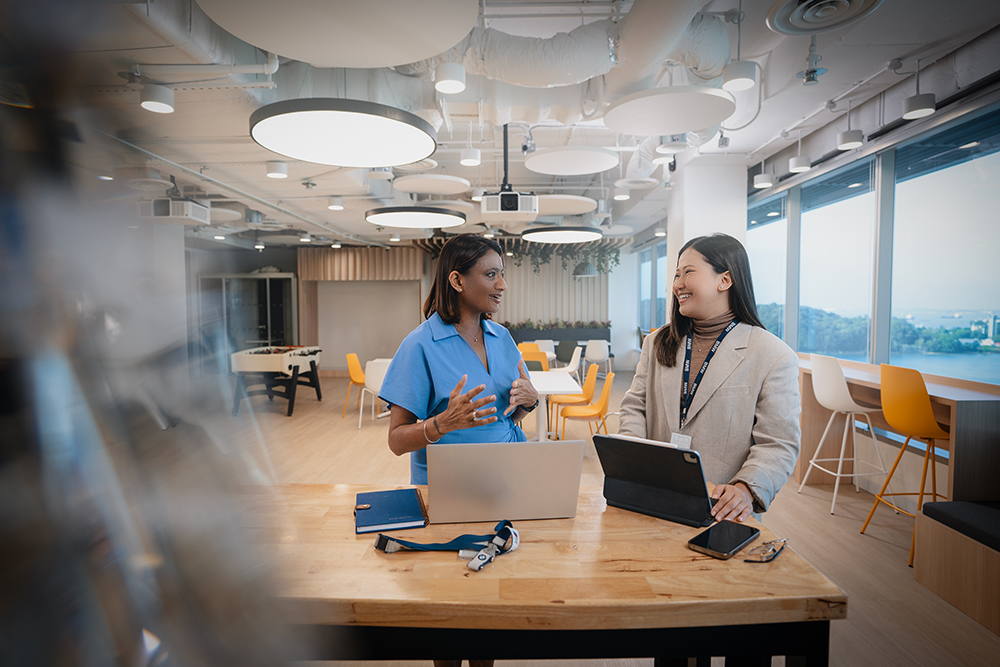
(832, 393)
(907, 407)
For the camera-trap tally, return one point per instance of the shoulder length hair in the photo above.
(460, 253)
(724, 253)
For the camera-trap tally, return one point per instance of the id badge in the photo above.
(680, 440)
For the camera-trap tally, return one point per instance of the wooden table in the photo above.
(547, 383)
(607, 583)
(971, 415)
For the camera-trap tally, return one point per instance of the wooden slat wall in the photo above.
(308, 313)
(360, 264)
(552, 293)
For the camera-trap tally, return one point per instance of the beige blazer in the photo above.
(744, 420)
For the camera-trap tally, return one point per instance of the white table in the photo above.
(547, 383)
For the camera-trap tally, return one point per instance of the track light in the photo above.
(919, 105)
(449, 78)
(621, 194)
(306, 238)
(394, 237)
(158, 99)
(277, 170)
(336, 204)
(335, 245)
(477, 194)
(800, 163)
(471, 157)
(739, 74)
(489, 234)
(258, 246)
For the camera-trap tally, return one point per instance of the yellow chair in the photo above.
(595, 412)
(528, 347)
(907, 408)
(357, 379)
(540, 357)
(589, 384)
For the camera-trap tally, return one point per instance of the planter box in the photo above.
(528, 335)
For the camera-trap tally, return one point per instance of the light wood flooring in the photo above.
(891, 620)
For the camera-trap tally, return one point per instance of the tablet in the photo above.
(654, 478)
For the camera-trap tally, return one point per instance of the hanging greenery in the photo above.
(603, 257)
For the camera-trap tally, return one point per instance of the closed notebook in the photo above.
(389, 510)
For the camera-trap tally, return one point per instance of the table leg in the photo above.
(291, 389)
(315, 380)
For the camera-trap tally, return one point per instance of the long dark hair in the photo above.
(724, 253)
(460, 253)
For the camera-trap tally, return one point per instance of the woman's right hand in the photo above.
(465, 410)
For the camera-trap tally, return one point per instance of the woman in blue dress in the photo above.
(458, 377)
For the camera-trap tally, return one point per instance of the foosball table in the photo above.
(280, 369)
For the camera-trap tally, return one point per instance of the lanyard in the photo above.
(481, 549)
(688, 397)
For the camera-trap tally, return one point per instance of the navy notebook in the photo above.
(389, 510)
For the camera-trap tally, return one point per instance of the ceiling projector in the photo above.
(509, 207)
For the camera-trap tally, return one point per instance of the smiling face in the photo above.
(482, 287)
(701, 293)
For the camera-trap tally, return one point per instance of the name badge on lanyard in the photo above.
(687, 394)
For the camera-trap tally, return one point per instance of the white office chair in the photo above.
(599, 352)
(375, 371)
(548, 346)
(832, 393)
(573, 367)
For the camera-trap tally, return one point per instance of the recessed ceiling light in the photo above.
(562, 234)
(854, 185)
(342, 132)
(773, 214)
(336, 204)
(158, 99)
(449, 78)
(415, 217)
(335, 244)
(971, 144)
(753, 222)
(277, 169)
(219, 237)
(509, 253)
(111, 178)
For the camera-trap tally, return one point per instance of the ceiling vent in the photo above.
(174, 212)
(811, 17)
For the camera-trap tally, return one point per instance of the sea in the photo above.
(980, 367)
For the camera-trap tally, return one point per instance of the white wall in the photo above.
(368, 318)
(623, 311)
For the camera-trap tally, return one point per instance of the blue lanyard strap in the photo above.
(687, 396)
(481, 549)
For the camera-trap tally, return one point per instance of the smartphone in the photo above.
(723, 539)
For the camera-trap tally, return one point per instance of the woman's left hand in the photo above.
(735, 502)
(522, 393)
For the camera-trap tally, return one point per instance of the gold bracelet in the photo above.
(429, 441)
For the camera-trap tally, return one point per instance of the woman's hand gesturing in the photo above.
(464, 410)
(522, 392)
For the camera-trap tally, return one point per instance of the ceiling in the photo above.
(205, 144)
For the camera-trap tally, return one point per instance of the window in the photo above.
(945, 303)
(767, 231)
(835, 281)
(645, 288)
(663, 283)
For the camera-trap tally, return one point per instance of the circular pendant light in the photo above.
(342, 132)
(850, 139)
(739, 75)
(415, 217)
(571, 160)
(799, 164)
(431, 184)
(562, 234)
(919, 106)
(669, 110)
(158, 99)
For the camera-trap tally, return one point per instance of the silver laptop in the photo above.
(468, 482)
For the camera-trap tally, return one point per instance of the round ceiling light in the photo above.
(739, 75)
(850, 139)
(571, 160)
(342, 132)
(471, 157)
(431, 184)
(345, 34)
(380, 174)
(919, 106)
(565, 205)
(562, 234)
(799, 164)
(636, 183)
(449, 78)
(158, 99)
(415, 217)
(669, 110)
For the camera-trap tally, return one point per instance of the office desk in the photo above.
(972, 418)
(607, 583)
(547, 383)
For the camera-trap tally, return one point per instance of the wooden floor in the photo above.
(891, 620)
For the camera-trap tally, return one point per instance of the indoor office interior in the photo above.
(156, 241)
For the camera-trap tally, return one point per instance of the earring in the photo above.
(459, 289)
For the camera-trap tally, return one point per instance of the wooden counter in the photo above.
(624, 580)
(970, 411)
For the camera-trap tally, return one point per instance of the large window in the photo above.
(946, 238)
(663, 284)
(654, 286)
(767, 231)
(645, 288)
(835, 276)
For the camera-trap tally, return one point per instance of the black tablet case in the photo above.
(660, 481)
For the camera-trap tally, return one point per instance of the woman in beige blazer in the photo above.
(743, 417)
